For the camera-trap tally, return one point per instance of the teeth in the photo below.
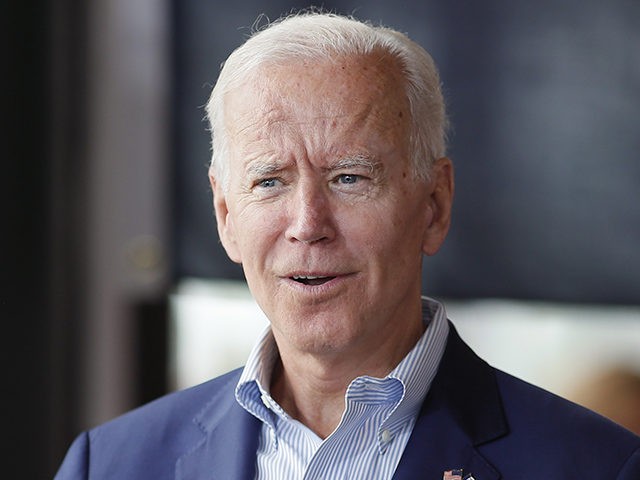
(306, 277)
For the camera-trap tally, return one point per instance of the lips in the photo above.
(312, 280)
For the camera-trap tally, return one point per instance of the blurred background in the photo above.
(116, 290)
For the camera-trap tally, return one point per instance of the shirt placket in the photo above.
(324, 465)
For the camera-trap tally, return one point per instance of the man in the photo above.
(330, 183)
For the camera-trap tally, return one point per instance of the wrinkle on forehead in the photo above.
(302, 100)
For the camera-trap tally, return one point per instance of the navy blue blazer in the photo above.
(474, 417)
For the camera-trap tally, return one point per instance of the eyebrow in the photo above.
(361, 161)
(263, 168)
(267, 168)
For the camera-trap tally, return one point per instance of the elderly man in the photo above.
(330, 183)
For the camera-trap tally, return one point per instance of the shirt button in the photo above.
(385, 436)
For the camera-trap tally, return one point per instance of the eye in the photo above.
(348, 178)
(268, 183)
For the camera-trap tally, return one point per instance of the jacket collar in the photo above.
(462, 410)
(230, 440)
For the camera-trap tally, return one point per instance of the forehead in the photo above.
(326, 98)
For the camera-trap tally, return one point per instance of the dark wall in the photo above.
(544, 100)
(23, 294)
(42, 204)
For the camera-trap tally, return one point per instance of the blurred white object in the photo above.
(214, 327)
(555, 346)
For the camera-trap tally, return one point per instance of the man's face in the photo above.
(322, 208)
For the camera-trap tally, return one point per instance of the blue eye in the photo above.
(267, 183)
(348, 179)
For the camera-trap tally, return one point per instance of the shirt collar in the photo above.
(406, 385)
(418, 368)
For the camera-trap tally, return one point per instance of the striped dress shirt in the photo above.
(376, 424)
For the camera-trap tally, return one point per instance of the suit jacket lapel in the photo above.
(462, 410)
(229, 443)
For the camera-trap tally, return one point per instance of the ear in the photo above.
(441, 188)
(226, 230)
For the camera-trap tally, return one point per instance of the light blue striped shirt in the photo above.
(375, 427)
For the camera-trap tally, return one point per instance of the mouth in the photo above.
(311, 280)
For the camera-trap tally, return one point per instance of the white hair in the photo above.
(313, 35)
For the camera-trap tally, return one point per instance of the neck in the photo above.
(311, 388)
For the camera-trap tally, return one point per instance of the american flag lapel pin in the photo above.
(456, 475)
(452, 475)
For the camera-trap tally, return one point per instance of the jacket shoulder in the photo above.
(147, 441)
(524, 431)
(562, 433)
(177, 406)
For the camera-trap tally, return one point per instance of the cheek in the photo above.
(368, 230)
(257, 230)
(398, 228)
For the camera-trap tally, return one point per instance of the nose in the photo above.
(310, 215)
